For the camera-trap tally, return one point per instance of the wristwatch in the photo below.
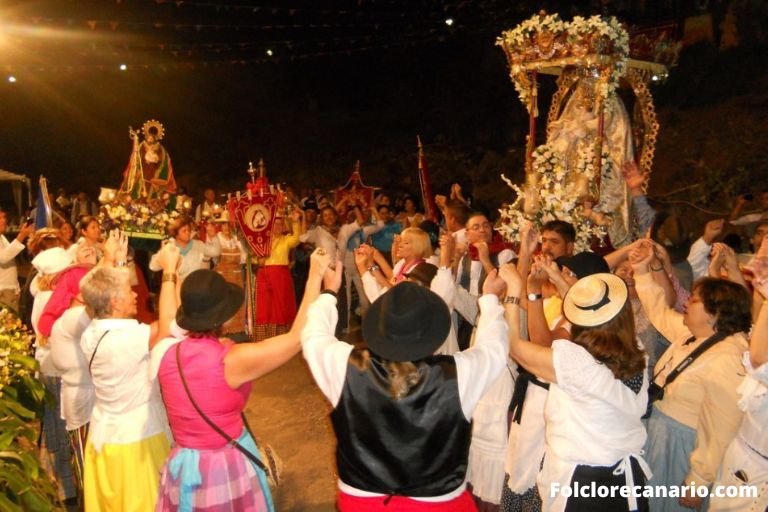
(534, 296)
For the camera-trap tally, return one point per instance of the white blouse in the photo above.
(128, 404)
(77, 394)
(592, 418)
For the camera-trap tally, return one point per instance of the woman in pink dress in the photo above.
(206, 382)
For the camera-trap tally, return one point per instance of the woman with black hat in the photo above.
(597, 396)
(206, 381)
(401, 415)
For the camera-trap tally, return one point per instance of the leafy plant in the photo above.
(23, 485)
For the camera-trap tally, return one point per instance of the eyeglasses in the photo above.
(478, 227)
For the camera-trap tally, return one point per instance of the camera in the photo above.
(655, 393)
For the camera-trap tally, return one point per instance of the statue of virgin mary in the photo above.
(574, 134)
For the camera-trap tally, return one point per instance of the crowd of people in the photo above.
(490, 373)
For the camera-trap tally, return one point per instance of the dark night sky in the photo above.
(348, 80)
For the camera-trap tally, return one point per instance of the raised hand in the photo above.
(116, 246)
(641, 256)
(529, 238)
(494, 284)
(712, 230)
(483, 251)
(633, 177)
(319, 261)
(508, 272)
(332, 277)
(363, 257)
(169, 257)
(538, 275)
(716, 260)
(447, 248)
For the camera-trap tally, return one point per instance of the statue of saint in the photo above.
(149, 173)
(573, 133)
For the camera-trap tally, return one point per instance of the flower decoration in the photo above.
(15, 349)
(597, 43)
(558, 198)
(141, 216)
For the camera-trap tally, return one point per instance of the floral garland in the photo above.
(136, 216)
(577, 38)
(15, 348)
(520, 35)
(523, 37)
(610, 38)
(557, 199)
(585, 163)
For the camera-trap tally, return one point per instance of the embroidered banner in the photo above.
(255, 213)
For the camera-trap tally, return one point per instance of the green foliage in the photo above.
(23, 484)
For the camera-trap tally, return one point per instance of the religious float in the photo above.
(146, 202)
(577, 174)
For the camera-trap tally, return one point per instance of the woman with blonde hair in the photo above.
(410, 248)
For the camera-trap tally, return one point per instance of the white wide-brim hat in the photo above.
(595, 299)
(51, 261)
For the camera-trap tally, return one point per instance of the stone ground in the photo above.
(287, 411)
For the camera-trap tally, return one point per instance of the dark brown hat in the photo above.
(207, 301)
(407, 323)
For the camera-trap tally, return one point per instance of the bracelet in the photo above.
(511, 300)
(169, 278)
(328, 291)
(656, 269)
(373, 268)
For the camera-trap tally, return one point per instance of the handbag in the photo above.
(656, 392)
(270, 463)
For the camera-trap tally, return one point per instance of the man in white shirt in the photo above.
(698, 256)
(737, 219)
(9, 277)
(208, 207)
(82, 206)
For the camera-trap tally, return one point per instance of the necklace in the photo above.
(184, 250)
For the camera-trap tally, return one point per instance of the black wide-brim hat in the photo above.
(207, 301)
(408, 323)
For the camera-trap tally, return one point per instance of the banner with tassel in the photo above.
(43, 217)
(427, 198)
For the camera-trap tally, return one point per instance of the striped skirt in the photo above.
(218, 480)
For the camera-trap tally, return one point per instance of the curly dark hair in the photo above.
(728, 301)
(613, 344)
(562, 228)
(184, 220)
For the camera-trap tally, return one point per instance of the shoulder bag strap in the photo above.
(685, 363)
(90, 362)
(210, 423)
